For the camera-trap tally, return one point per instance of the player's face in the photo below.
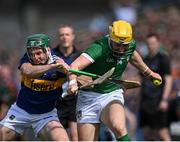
(37, 55)
(118, 48)
(66, 36)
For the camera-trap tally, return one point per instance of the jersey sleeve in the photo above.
(23, 60)
(94, 50)
(132, 47)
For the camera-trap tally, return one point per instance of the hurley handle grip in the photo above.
(82, 73)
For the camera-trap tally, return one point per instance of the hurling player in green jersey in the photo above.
(104, 103)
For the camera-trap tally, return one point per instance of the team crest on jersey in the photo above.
(119, 62)
(79, 114)
(11, 117)
(109, 60)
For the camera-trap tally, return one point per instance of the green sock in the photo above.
(124, 138)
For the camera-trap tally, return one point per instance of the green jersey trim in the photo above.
(88, 57)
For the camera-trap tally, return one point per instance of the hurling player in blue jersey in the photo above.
(42, 77)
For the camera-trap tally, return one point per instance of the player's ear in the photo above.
(48, 50)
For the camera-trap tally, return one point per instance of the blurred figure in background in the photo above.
(8, 90)
(124, 10)
(67, 106)
(154, 99)
(97, 26)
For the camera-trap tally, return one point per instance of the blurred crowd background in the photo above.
(90, 19)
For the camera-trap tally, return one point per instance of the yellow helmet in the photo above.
(120, 32)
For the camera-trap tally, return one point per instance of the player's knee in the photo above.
(7, 134)
(119, 130)
(53, 125)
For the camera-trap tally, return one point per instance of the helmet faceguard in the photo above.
(120, 35)
(37, 41)
(118, 49)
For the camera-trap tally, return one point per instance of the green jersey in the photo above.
(101, 55)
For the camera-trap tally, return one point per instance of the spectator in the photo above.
(154, 99)
(124, 10)
(67, 106)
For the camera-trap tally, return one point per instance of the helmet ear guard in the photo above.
(120, 32)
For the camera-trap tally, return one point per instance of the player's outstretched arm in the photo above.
(138, 62)
(34, 71)
(79, 64)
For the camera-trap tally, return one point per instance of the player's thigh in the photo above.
(7, 134)
(53, 130)
(88, 132)
(113, 116)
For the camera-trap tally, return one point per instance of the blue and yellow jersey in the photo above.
(39, 95)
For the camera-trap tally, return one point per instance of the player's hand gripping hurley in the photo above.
(126, 84)
(99, 79)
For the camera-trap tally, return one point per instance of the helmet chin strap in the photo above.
(48, 55)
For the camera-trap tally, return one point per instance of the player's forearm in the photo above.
(167, 87)
(138, 62)
(35, 71)
(73, 86)
(79, 64)
(73, 76)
